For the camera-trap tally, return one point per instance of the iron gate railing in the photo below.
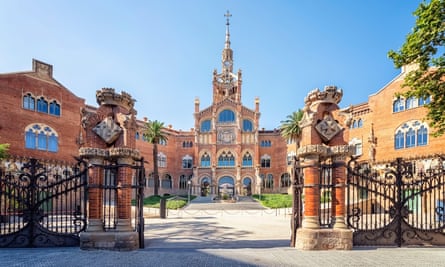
(110, 190)
(396, 206)
(42, 205)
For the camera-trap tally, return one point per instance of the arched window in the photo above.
(265, 143)
(247, 126)
(422, 136)
(265, 161)
(162, 160)
(410, 138)
(205, 160)
(399, 140)
(187, 144)
(137, 136)
(410, 134)
(182, 182)
(226, 116)
(424, 100)
(247, 160)
(398, 105)
(354, 124)
(42, 105)
(29, 102)
(359, 123)
(41, 137)
(206, 126)
(268, 182)
(226, 159)
(187, 162)
(411, 102)
(285, 180)
(54, 108)
(166, 181)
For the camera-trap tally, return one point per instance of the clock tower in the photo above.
(227, 84)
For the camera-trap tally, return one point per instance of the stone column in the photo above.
(338, 202)
(311, 172)
(124, 177)
(95, 157)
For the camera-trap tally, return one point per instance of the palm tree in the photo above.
(290, 128)
(154, 135)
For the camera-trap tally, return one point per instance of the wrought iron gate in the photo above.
(400, 205)
(42, 205)
(110, 190)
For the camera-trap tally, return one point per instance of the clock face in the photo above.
(227, 63)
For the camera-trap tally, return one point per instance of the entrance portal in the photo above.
(226, 187)
(247, 186)
(205, 186)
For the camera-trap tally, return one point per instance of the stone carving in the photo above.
(108, 130)
(226, 136)
(330, 95)
(107, 96)
(328, 127)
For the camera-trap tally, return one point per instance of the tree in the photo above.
(4, 150)
(154, 135)
(424, 47)
(290, 128)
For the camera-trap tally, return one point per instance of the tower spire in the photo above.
(227, 15)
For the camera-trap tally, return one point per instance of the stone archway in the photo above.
(205, 186)
(226, 187)
(247, 186)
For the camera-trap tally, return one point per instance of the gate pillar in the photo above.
(323, 139)
(110, 137)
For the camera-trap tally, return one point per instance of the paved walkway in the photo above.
(230, 238)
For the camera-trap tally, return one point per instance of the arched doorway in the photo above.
(205, 186)
(247, 186)
(226, 187)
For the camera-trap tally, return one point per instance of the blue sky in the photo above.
(164, 52)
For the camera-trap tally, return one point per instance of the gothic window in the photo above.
(137, 135)
(424, 100)
(182, 182)
(411, 134)
(265, 143)
(54, 108)
(42, 105)
(41, 137)
(206, 126)
(410, 138)
(268, 182)
(399, 140)
(226, 116)
(226, 159)
(411, 102)
(247, 126)
(422, 136)
(359, 123)
(205, 160)
(247, 160)
(265, 161)
(285, 180)
(398, 105)
(187, 162)
(162, 160)
(354, 124)
(187, 144)
(166, 181)
(29, 102)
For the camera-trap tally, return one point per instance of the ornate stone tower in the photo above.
(323, 139)
(109, 137)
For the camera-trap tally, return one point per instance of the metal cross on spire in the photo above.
(227, 15)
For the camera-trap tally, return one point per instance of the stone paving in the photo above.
(197, 237)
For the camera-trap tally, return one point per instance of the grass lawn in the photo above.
(173, 201)
(275, 200)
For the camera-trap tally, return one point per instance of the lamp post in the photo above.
(189, 183)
